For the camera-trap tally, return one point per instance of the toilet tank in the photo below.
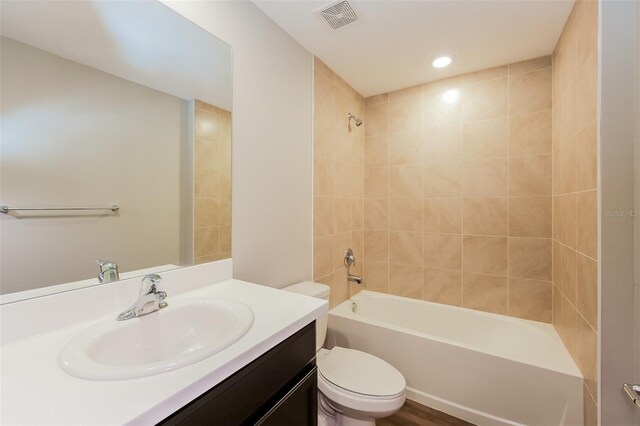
(319, 291)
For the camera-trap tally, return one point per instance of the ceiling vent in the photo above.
(339, 14)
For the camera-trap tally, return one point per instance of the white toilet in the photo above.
(355, 387)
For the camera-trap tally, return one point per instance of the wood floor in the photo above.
(415, 414)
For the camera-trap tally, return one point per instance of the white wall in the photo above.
(272, 141)
(617, 137)
(73, 135)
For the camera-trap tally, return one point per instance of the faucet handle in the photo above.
(150, 284)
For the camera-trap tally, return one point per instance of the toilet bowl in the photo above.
(355, 387)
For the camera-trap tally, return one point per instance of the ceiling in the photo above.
(141, 41)
(393, 43)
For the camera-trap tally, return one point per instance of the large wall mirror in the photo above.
(115, 144)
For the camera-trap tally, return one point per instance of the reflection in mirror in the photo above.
(123, 108)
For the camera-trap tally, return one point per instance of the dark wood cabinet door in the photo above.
(299, 407)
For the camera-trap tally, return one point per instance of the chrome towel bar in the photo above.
(7, 209)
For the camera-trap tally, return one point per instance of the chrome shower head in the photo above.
(357, 120)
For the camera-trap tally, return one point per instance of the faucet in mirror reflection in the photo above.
(349, 261)
(108, 271)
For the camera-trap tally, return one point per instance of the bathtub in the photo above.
(485, 368)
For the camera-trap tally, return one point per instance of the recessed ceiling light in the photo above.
(441, 62)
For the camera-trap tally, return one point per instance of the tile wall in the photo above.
(338, 170)
(212, 183)
(457, 191)
(575, 216)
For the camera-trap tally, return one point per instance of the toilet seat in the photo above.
(354, 372)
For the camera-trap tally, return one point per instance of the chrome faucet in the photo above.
(349, 261)
(108, 271)
(149, 300)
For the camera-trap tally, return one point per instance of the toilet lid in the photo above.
(360, 372)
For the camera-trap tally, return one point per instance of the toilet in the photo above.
(355, 388)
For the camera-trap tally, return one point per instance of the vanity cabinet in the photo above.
(277, 389)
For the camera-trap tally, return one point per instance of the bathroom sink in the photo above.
(185, 332)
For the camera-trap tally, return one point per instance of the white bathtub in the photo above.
(484, 368)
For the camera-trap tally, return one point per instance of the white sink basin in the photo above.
(185, 332)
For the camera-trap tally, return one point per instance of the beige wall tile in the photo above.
(206, 241)
(485, 139)
(441, 108)
(323, 172)
(376, 151)
(376, 276)
(206, 212)
(530, 65)
(377, 119)
(569, 323)
(568, 270)
(442, 143)
(530, 299)
(342, 215)
(323, 216)
(568, 166)
(225, 239)
(442, 85)
(442, 251)
(486, 74)
(405, 148)
(442, 179)
(586, 158)
(485, 292)
(376, 99)
(484, 100)
(405, 181)
(485, 216)
(587, 289)
(442, 214)
(405, 113)
(568, 113)
(586, 353)
(207, 183)
(376, 245)
(590, 408)
(342, 179)
(530, 92)
(357, 181)
(225, 212)
(530, 258)
(556, 308)
(530, 216)
(376, 213)
(323, 249)
(586, 29)
(587, 91)
(530, 175)
(397, 96)
(568, 220)
(484, 178)
(405, 214)
(530, 133)
(405, 281)
(587, 223)
(557, 258)
(442, 286)
(405, 248)
(484, 254)
(376, 182)
(357, 213)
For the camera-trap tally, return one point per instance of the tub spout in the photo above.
(355, 279)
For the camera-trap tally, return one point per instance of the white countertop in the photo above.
(35, 390)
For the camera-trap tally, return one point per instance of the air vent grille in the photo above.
(339, 15)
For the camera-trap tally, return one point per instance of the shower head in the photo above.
(357, 120)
